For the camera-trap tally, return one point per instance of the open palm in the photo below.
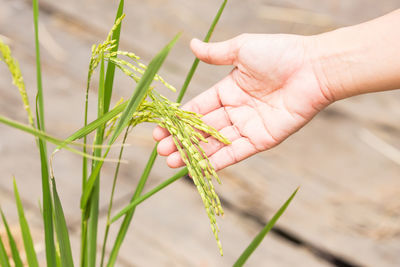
(270, 94)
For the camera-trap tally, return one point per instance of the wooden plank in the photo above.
(351, 186)
(172, 229)
(346, 188)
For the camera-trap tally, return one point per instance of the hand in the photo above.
(270, 94)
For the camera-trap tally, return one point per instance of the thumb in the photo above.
(220, 53)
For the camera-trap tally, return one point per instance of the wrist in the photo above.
(359, 59)
(334, 59)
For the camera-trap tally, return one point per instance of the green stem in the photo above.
(196, 60)
(127, 220)
(46, 194)
(94, 198)
(84, 173)
(112, 198)
(83, 239)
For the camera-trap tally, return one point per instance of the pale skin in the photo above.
(280, 82)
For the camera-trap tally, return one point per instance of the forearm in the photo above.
(359, 59)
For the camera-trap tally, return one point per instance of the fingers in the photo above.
(160, 133)
(239, 150)
(222, 156)
(202, 104)
(220, 53)
(207, 101)
(217, 119)
(212, 146)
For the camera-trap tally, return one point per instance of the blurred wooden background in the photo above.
(346, 161)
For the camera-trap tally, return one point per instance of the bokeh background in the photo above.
(346, 161)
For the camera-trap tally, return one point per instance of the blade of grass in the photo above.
(110, 205)
(25, 231)
(259, 238)
(61, 230)
(156, 189)
(94, 197)
(26, 128)
(83, 239)
(4, 262)
(109, 82)
(84, 172)
(196, 60)
(40, 122)
(47, 202)
(95, 124)
(127, 220)
(141, 88)
(133, 103)
(43, 136)
(145, 175)
(14, 250)
(47, 206)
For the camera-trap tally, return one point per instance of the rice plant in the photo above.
(146, 105)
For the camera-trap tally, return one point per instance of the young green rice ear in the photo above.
(18, 81)
(136, 98)
(187, 140)
(150, 163)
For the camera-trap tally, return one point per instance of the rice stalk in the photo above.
(48, 222)
(150, 163)
(183, 126)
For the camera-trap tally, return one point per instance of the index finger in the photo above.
(207, 101)
(204, 103)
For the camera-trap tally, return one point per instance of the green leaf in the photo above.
(40, 119)
(61, 230)
(141, 89)
(133, 103)
(11, 241)
(25, 231)
(94, 198)
(108, 85)
(110, 204)
(95, 124)
(196, 60)
(259, 238)
(128, 218)
(47, 203)
(3, 255)
(42, 136)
